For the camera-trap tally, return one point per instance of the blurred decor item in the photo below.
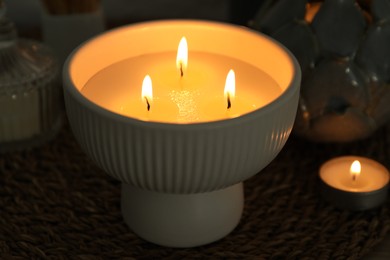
(343, 49)
(30, 110)
(64, 7)
(68, 23)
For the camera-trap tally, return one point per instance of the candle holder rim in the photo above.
(356, 193)
(290, 90)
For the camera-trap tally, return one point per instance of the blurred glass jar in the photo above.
(66, 24)
(30, 97)
(343, 49)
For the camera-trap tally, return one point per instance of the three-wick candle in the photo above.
(200, 87)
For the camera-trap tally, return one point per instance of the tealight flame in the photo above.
(147, 91)
(355, 169)
(230, 88)
(182, 56)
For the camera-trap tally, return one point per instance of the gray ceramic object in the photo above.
(334, 86)
(335, 96)
(374, 54)
(281, 13)
(304, 45)
(339, 26)
(345, 91)
(380, 9)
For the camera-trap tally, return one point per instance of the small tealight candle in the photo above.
(354, 183)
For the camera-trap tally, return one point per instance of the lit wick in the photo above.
(182, 56)
(147, 103)
(230, 88)
(355, 170)
(147, 91)
(229, 103)
(181, 69)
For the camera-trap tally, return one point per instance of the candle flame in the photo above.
(147, 91)
(182, 56)
(355, 169)
(230, 88)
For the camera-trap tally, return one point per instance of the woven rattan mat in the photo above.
(55, 203)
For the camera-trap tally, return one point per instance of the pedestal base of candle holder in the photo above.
(182, 220)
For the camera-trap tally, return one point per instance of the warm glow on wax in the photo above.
(182, 56)
(230, 88)
(355, 169)
(196, 96)
(147, 91)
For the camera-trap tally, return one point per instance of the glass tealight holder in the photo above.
(30, 96)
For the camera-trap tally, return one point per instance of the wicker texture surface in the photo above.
(55, 203)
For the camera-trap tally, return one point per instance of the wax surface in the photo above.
(336, 173)
(198, 96)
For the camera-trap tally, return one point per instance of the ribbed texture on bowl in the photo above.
(182, 159)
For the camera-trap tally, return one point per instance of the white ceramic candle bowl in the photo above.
(181, 182)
